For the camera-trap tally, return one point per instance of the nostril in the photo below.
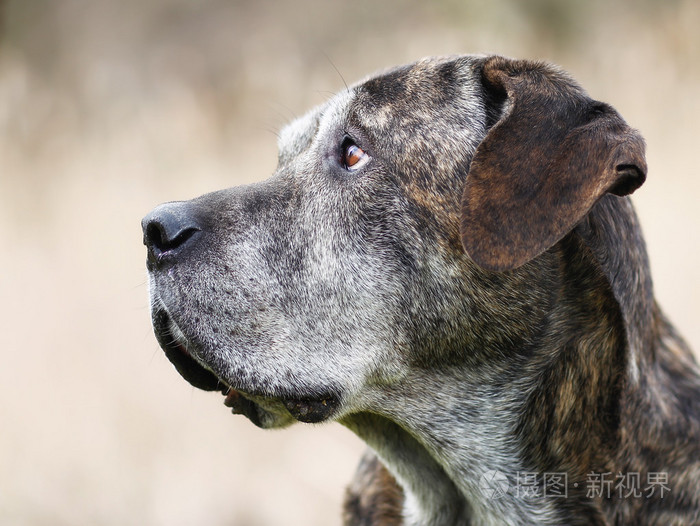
(157, 237)
(182, 237)
(153, 236)
(168, 228)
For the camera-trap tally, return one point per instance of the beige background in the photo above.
(108, 108)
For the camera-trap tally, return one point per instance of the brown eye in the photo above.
(353, 157)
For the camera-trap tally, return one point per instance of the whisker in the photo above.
(347, 88)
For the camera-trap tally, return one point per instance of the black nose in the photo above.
(167, 230)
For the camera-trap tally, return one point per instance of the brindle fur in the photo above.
(476, 298)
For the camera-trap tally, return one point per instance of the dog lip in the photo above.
(178, 355)
(312, 410)
(240, 405)
(307, 410)
(198, 376)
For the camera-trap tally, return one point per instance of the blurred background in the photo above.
(108, 108)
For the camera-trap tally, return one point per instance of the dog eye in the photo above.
(352, 156)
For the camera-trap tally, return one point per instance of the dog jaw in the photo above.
(266, 412)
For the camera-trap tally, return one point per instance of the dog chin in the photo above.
(264, 411)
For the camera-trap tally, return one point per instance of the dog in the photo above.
(447, 263)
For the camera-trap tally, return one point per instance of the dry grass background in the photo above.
(108, 108)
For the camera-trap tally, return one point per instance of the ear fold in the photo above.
(552, 154)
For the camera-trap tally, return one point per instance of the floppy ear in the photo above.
(552, 154)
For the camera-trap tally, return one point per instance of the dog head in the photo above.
(408, 224)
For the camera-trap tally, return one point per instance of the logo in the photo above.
(494, 484)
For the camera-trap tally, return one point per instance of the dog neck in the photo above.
(445, 454)
(451, 434)
(431, 497)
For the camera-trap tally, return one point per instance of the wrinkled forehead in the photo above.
(436, 93)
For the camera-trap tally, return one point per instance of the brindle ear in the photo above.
(552, 154)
